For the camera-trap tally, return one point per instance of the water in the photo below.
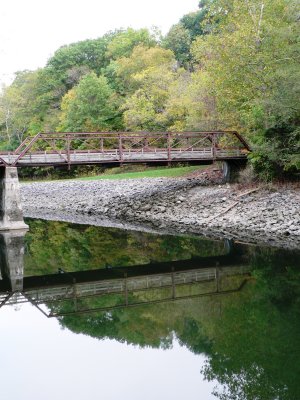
(105, 313)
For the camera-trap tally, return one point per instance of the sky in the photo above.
(31, 30)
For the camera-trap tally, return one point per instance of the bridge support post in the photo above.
(11, 214)
(11, 258)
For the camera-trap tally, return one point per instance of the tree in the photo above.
(90, 106)
(142, 59)
(91, 54)
(181, 35)
(251, 57)
(189, 106)
(196, 22)
(179, 40)
(145, 109)
(20, 114)
(126, 40)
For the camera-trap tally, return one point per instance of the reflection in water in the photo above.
(11, 259)
(111, 288)
(250, 333)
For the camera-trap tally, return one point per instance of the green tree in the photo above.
(179, 40)
(21, 111)
(147, 75)
(189, 105)
(251, 57)
(126, 40)
(90, 106)
(141, 59)
(181, 35)
(87, 55)
(196, 23)
(145, 109)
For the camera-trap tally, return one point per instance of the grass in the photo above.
(152, 173)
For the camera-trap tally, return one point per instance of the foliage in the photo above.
(90, 106)
(181, 35)
(125, 41)
(20, 109)
(130, 69)
(51, 245)
(252, 58)
(91, 54)
(256, 344)
(179, 41)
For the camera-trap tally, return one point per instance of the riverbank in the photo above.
(192, 205)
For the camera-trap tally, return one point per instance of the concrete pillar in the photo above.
(11, 214)
(12, 258)
(226, 168)
(228, 244)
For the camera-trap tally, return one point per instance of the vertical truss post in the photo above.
(101, 145)
(126, 289)
(169, 147)
(173, 285)
(120, 148)
(68, 151)
(213, 146)
(218, 279)
(75, 295)
(146, 144)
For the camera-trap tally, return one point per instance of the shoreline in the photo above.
(172, 205)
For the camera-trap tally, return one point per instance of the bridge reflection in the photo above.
(110, 288)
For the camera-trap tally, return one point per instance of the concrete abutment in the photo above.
(231, 170)
(11, 213)
(11, 258)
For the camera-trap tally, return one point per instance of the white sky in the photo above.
(31, 30)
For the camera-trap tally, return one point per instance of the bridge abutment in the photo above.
(226, 168)
(11, 258)
(231, 170)
(11, 214)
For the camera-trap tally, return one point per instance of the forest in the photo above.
(232, 64)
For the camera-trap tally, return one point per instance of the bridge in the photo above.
(107, 289)
(114, 148)
(110, 149)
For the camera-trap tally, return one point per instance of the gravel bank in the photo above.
(185, 205)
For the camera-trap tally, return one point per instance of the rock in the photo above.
(263, 217)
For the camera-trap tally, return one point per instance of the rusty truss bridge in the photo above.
(110, 288)
(111, 148)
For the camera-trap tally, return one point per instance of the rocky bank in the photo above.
(184, 205)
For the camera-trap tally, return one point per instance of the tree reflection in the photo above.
(251, 338)
(256, 346)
